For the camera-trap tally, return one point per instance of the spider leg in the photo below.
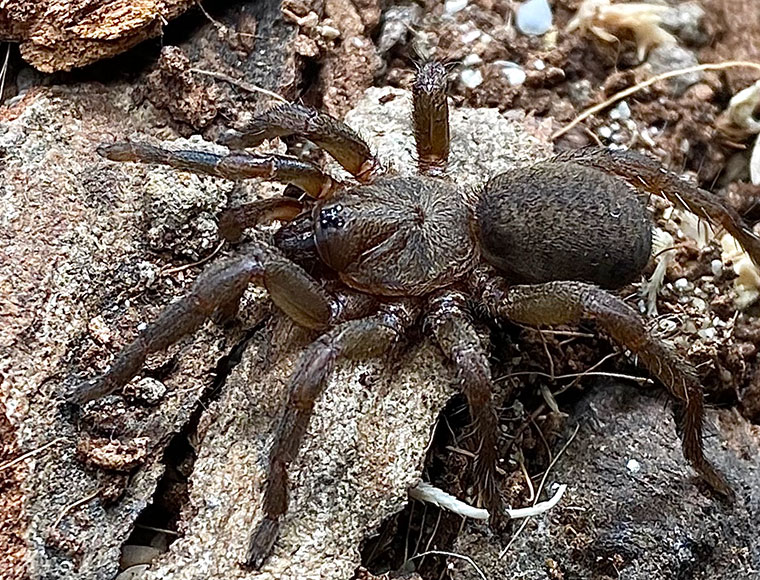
(332, 135)
(217, 292)
(233, 221)
(568, 302)
(355, 339)
(644, 173)
(282, 168)
(451, 325)
(431, 117)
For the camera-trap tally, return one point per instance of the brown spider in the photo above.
(537, 245)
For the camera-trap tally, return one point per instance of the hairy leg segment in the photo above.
(217, 292)
(451, 324)
(430, 117)
(281, 168)
(331, 134)
(357, 340)
(569, 302)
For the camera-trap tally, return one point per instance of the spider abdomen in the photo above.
(563, 221)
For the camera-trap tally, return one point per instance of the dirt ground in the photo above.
(632, 510)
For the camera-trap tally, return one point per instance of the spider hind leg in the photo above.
(568, 302)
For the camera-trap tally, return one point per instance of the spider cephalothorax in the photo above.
(535, 245)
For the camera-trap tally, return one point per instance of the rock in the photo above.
(78, 279)
(512, 71)
(397, 22)
(471, 78)
(64, 265)
(454, 6)
(534, 17)
(58, 35)
(347, 73)
(618, 522)
(686, 21)
(665, 58)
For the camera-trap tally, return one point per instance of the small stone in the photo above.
(682, 285)
(133, 555)
(666, 58)
(579, 92)
(686, 22)
(534, 17)
(513, 72)
(133, 572)
(454, 6)
(147, 390)
(621, 112)
(538, 64)
(717, 267)
(689, 327)
(397, 22)
(471, 78)
(471, 36)
(472, 60)
(708, 333)
(633, 466)
(604, 132)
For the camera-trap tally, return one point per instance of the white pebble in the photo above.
(717, 267)
(538, 64)
(471, 36)
(472, 60)
(681, 285)
(707, 333)
(699, 304)
(534, 17)
(471, 78)
(621, 112)
(604, 132)
(454, 6)
(513, 72)
(633, 466)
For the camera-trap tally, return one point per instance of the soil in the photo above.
(327, 53)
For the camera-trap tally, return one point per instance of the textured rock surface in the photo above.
(633, 509)
(76, 283)
(62, 34)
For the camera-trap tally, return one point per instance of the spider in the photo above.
(537, 245)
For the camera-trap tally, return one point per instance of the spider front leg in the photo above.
(217, 292)
(451, 324)
(331, 134)
(569, 302)
(233, 221)
(356, 339)
(431, 117)
(644, 173)
(281, 168)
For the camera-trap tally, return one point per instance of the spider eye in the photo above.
(330, 217)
